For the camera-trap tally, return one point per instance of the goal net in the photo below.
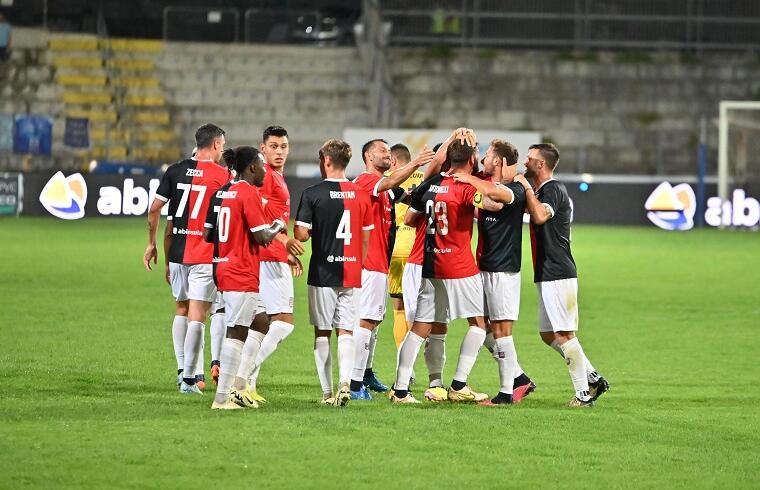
(739, 148)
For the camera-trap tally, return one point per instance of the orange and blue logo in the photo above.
(672, 208)
(64, 197)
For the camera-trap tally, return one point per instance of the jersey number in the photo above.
(344, 228)
(186, 189)
(224, 224)
(437, 212)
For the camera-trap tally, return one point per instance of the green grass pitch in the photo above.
(87, 394)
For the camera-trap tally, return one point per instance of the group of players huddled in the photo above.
(393, 230)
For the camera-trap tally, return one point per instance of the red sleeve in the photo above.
(274, 208)
(368, 183)
(468, 193)
(367, 222)
(254, 211)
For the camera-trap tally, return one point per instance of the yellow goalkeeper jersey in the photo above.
(405, 234)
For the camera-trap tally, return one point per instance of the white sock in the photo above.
(468, 353)
(435, 358)
(362, 337)
(323, 360)
(201, 354)
(278, 331)
(193, 339)
(179, 330)
(372, 344)
(217, 335)
(505, 356)
(345, 357)
(576, 365)
(490, 343)
(250, 351)
(229, 358)
(591, 373)
(407, 354)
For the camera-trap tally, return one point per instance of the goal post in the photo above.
(738, 144)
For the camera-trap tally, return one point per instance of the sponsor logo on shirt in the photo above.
(216, 260)
(442, 250)
(342, 194)
(491, 218)
(185, 231)
(64, 197)
(194, 172)
(339, 258)
(439, 189)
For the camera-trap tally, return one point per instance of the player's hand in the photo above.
(166, 273)
(466, 136)
(295, 265)
(424, 157)
(294, 247)
(462, 177)
(520, 178)
(150, 253)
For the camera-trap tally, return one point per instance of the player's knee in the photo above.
(238, 332)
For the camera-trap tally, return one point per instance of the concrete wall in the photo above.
(608, 112)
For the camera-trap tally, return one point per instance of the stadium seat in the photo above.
(84, 98)
(80, 79)
(128, 64)
(145, 100)
(158, 117)
(132, 45)
(136, 81)
(97, 116)
(77, 62)
(73, 43)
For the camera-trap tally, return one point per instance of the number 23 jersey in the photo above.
(448, 209)
(188, 186)
(337, 212)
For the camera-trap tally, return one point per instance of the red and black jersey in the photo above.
(234, 214)
(276, 199)
(500, 234)
(336, 211)
(187, 186)
(449, 212)
(383, 236)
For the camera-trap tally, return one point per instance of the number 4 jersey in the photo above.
(336, 211)
(188, 186)
(448, 209)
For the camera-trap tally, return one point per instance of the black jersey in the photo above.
(337, 212)
(500, 234)
(552, 259)
(188, 186)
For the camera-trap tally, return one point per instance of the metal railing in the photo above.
(697, 25)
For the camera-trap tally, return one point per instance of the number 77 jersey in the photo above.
(336, 212)
(449, 210)
(188, 186)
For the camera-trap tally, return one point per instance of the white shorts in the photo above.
(194, 282)
(410, 289)
(443, 300)
(276, 287)
(240, 308)
(373, 295)
(501, 294)
(332, 307)
(558, 305)
(218, 304)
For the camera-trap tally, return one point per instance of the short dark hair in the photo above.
(548, 152)
(505, 150)
(401, 152)
(206, 134)
(338, 150)
(459, 153)
(277, 131)
(369, 144)
(239, 158)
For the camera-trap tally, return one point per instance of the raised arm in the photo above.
(400, 175)
(463, 134)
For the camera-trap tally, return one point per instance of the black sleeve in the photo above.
(165, 188)
(398, 194)
(305, 213)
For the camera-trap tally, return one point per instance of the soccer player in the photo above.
(187, 187)
(554, 270)
(237, 225)
(451, 286)
(276, 262)
(499, 256)
(402, 246)
(383, 191)
(337, 214)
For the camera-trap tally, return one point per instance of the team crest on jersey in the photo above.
(64, 197)
(672, 208)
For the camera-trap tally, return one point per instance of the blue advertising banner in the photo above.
(6, 131)
(77, 133)
(34, 134)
